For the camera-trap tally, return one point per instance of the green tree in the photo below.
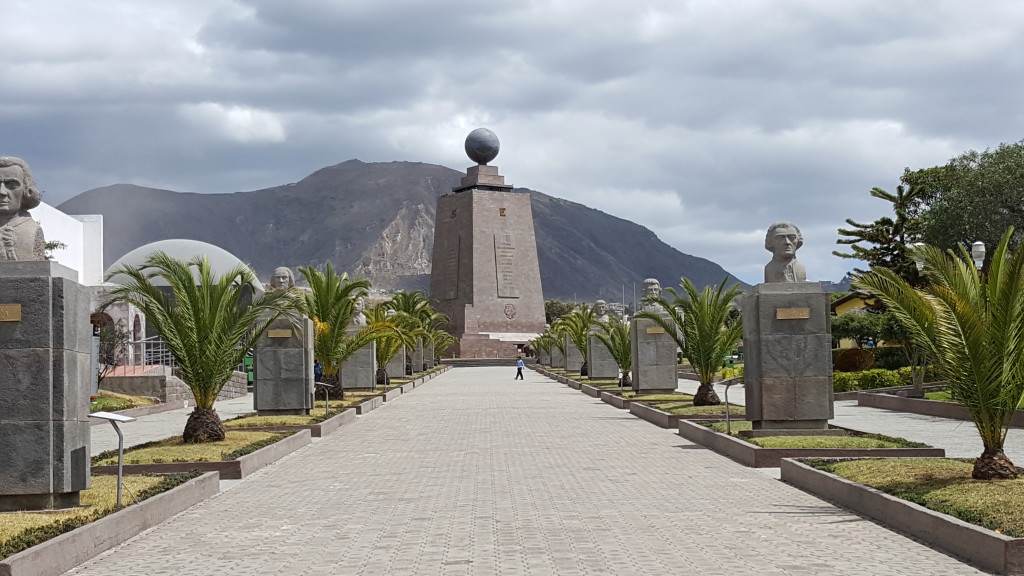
(975, 196)
(701, 326)
(397, 329)
(114, 344)
(555, 309)
(614, 335)
(206, 323)
(859, 326)
(884, 242)
(417, 307)
(331, 303)
(972, 327)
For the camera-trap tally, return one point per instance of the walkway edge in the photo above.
(60, 554)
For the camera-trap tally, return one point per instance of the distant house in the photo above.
(855, 301)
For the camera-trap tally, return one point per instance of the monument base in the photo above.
(55, 501)
(654, 358)
(791, 432)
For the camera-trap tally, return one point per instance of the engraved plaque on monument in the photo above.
(485, 275)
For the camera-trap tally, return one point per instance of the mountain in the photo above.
(376, 220)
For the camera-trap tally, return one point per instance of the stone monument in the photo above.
(45, 345)
(282, 279)
(787, 343)
(284, 368)
(484, 274)
(654, 350)
(573, 358)
(359, 371)
(600, 362)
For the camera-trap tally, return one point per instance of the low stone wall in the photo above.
(159, 382)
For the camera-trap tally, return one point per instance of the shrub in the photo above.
(889, 357)
(866, 380)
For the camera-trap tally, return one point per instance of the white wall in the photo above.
(83, 236)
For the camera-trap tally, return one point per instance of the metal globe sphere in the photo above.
(482, 145)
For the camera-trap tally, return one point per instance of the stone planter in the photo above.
(231, 470)
(62, 553)
(590, 390)
(653, 415)
(757, 457)
(391, 394)
(987, 548)
(925, 407)
(615, 400)
(318, 430)
(573, 384)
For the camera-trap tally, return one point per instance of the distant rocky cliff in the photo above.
(377, 220)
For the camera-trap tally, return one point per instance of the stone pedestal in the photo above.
(45, 340)
(654, 358)
(788, 356)
(417, 356)
(284, 369)
(557, 358)
(485, 274)
(573, 358)
(600, 363)
(359, 371)
(544, 358)
(396, 367)
(428, 353)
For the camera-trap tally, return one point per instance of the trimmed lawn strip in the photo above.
(682, 405)
(108, 401)
(237, 443)
(942, 485)
(851, 440)
(22, 530)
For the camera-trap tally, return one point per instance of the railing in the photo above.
(151, 351)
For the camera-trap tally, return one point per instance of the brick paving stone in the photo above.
(475, 475)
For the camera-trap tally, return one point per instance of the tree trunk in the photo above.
(584, 370)
(626, 380)
(203, 425)
(993, 465)
(382, 377)
(706, 396)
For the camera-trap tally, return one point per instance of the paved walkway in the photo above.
(476, 474)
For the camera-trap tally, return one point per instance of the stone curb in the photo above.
(925, 407)
(391, 394)
(591, 391)
(987, 548)
(318, 430)
(144, 411)
(369, 404)
(615, 400)
(64, 552)
(757, 457)
(232, 470)
(653, 415)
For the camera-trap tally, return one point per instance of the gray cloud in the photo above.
(704, 121)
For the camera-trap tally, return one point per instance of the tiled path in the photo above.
(476, 474)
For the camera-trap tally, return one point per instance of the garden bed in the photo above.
(75, 545)
(615, 400)
(666, 410)
(983, 545)
(755, 456)
(925, 407)
(280, 445)
(318, 427)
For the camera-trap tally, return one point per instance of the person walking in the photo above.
(519, 367)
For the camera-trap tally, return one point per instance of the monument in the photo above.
(359, 371)
(600, 362)
(45, 345)
(484, 273)
(284, 361)
(654, 349)
(788, 344)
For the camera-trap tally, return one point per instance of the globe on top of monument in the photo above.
(482, 146)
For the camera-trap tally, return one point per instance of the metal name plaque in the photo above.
(792, 313)
(279, 333)
(656, 330)
(10, 312)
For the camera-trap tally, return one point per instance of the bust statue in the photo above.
(601, 311)
(21, 238)
(783, 239)
(358, 315)
(282, 279)
(652, 289)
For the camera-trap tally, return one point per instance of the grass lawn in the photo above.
(237, 443)
(943, 485)
(22, 530)
(682, 404)
(851, 440)
(112, 402)
(252, 420)
(940, 395)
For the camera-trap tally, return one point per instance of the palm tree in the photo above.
(701, 326)
(971, 325)
(614, 334)
(417, 307)
(441, 341)
(397, 329)
(331, 303)
(576, 326)
(206, 323)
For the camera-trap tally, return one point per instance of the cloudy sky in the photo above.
(703, 120)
